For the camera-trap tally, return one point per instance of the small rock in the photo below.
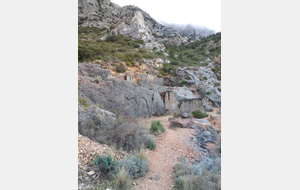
(91, 173)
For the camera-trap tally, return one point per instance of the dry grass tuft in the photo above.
(123, 180)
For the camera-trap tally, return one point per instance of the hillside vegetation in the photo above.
(114, 48)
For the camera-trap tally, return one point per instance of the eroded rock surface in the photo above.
(127, 97)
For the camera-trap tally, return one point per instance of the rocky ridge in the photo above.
(133, 21)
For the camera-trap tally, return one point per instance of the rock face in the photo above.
(125, 96)
(188, 76)
(150, 85)
(214, 96)
(180, 100)
(129, 21)
(211, 78)
(92, 70)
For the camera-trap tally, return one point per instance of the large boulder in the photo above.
(124, 96)
(180, 100)
(182, 123)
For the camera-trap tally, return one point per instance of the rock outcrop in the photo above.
(124, 96)
(180, 100)
(129, 21)
(92, 70)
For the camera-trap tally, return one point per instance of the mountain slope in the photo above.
(127, 20)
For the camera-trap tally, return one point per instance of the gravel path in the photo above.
(172, 145)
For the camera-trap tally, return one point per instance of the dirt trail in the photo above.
(170, 146)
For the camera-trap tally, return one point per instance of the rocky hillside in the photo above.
(127, 20)
(130, 69)
(194, 33)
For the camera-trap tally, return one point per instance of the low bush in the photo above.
(205, 78)
(150, 143)
(128, 64)
(105, 163)
(170, 118)
(182, 82)
(123, 180)
(219, 89)
(127, 133)
(201, 176)
(199, 114)
(121, 68)
(157, 127)
(208, 92)
(83, 102)
(135, 166)
(214, 69)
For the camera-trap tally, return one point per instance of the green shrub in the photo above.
(199, 114)
(135, 166)
(105, 163)
(157, 127)
(182, 82)
(150, 143)
(170, 118)
(214, 69)
(121, 68)
(128, 64)
(142, 50)
(121, 50)
(219, 89)
(208, 92)
(83, 102)
(205, 78)
(159, 75)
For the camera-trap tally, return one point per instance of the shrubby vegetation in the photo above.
(83, 102)
(157, 127)
(113, 48)
(105, 163)
(121, 68)
(124, 132)
(192, 54)
(136, 165)
(199, 114)
(150, 143)
(201, 176)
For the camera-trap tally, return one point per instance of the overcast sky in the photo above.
(199, 12)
